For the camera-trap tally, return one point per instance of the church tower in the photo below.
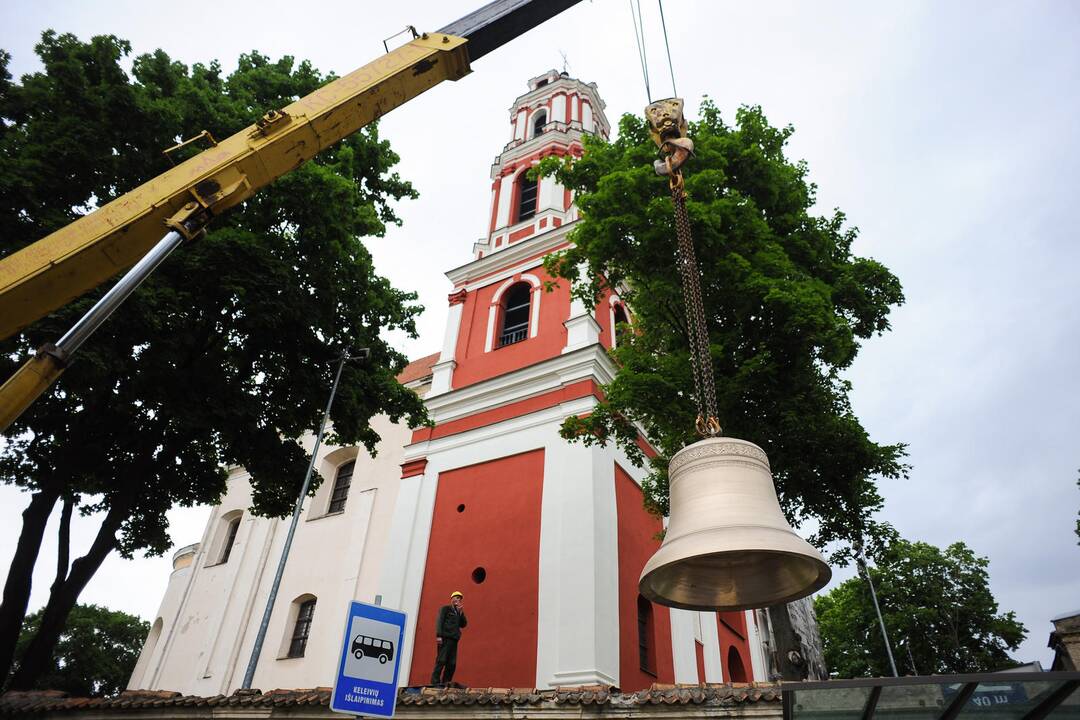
(545, 538)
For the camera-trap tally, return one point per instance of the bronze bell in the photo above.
(728, 545)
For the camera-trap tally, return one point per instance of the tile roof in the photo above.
(417, 369)
(23, 703)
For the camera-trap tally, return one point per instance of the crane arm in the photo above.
(85, 253)
(126, 232)
(69, 262)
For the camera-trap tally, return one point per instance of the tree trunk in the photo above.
(789, 653)
(63, 548)
(21, 572)
(38, 656)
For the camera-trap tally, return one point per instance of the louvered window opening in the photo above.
(527, 201)
(230, 538)
(516, 315)
(646, 656)
(620, 319)
(302, 629)
(341, 488)
(539, 123)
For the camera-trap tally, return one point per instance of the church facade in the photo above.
(545, 538)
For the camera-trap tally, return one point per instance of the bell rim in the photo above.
(824, 575)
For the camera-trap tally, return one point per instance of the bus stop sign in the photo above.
(367, 674)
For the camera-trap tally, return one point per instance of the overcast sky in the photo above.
(946, 131)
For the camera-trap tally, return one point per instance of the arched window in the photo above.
(231, 523)
(646, 636)
(527, 192)
(305, 614)
(618, 317)
(539, 121)
(736, 669)
(340, 492)
(515, 314)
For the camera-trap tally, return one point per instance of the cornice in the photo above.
(590, 362)
(516, 253)
(568, 84)
(564, 138)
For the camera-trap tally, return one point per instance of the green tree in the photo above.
(938, 609)
(787, 305)
(226, 354)
(96, 652)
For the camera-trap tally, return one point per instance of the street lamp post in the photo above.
(249, 674)
(861, 563)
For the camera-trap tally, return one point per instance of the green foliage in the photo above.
(938, 609)
(96, 653)
(226, 354)
(787, 307)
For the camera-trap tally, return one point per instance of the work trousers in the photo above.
(445, 662)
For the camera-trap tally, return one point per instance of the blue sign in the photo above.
(988, 695)
(367, 675)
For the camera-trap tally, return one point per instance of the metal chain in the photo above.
(707, 423)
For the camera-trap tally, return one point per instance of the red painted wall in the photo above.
(731, 627)
(637, 529)
(499, 530)
(474, 365)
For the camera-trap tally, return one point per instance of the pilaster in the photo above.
(578, 615)
(710, 642)
(683, 655)
(581, 327)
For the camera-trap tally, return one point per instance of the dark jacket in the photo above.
(450, 622)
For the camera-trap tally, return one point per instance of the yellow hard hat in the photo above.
(457, 593)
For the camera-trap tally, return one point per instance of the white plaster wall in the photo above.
(190, 643)
(150, 657)
(586, 117)
(337, 558)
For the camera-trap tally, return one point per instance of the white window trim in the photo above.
(496, 299)
(614, 300)
(222, 534)
(290, 626)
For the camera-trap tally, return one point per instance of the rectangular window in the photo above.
(646, 648)
(302, 629)
(340, 493)
(527, 201)
(230, 538)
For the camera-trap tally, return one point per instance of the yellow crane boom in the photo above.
(82, 255)
(69, 262)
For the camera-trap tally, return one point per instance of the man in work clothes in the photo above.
(447, 633)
